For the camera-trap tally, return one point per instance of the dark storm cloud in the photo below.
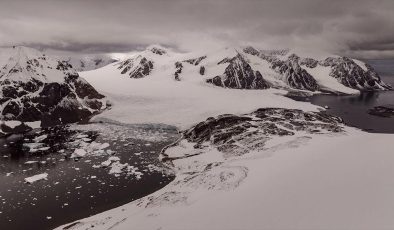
(353, 27)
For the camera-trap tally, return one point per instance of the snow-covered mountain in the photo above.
(35, 87)
(349, 72)
(250, 68)
(38, 90)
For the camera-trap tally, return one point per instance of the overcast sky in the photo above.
(362, 28)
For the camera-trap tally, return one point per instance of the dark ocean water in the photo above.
(76, 189)
(354, 109)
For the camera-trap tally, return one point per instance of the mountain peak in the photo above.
(26, 63)
(157, 49)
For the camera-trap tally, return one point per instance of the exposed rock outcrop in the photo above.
(294, 76)
(382, 111)
(178, 67)
(239, 75)
(350, 74)
(237, 135)
(195, 61)
(137, 67)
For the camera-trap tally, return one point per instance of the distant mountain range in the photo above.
(249, 68)
(35, 87)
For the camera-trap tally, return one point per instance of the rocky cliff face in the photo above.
(239, 75)
(141, 65)
(37, 88)
(294, 76)
(345, 70)
(352, 75)
(290, 70)
(137, 67)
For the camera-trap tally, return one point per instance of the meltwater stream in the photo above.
(121, 164)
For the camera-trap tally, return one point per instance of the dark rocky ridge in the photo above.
(382, 111)
(236, 135)
(138, 67)
(178, 67)
(195, 61)
(239, 75)
(295, 76)
(158, 51)
(348, 73)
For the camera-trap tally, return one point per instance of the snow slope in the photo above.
(340, 181)
(322, 76)
(159, 98)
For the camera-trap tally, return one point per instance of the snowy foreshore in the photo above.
(340, 181)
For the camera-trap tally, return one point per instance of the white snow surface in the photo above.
(321, 75)
(324, 182)
(158, 98)
(32, 179)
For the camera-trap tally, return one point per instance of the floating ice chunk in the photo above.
(109, 161)
(80, 136)
(12, 124)
(33, 145)
(78, 153)
(35, 178)
(132, 170)
(104, 145)
(114, 159)
(34, 124)
(106, 163)
(117, 167)
(44, 148)
(30, 162)
(40, 138)
(110, 152)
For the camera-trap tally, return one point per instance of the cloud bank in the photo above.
(360, 28)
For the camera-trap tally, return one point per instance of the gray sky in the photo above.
(361, 28)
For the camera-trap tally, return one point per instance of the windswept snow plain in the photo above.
(303, 181)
